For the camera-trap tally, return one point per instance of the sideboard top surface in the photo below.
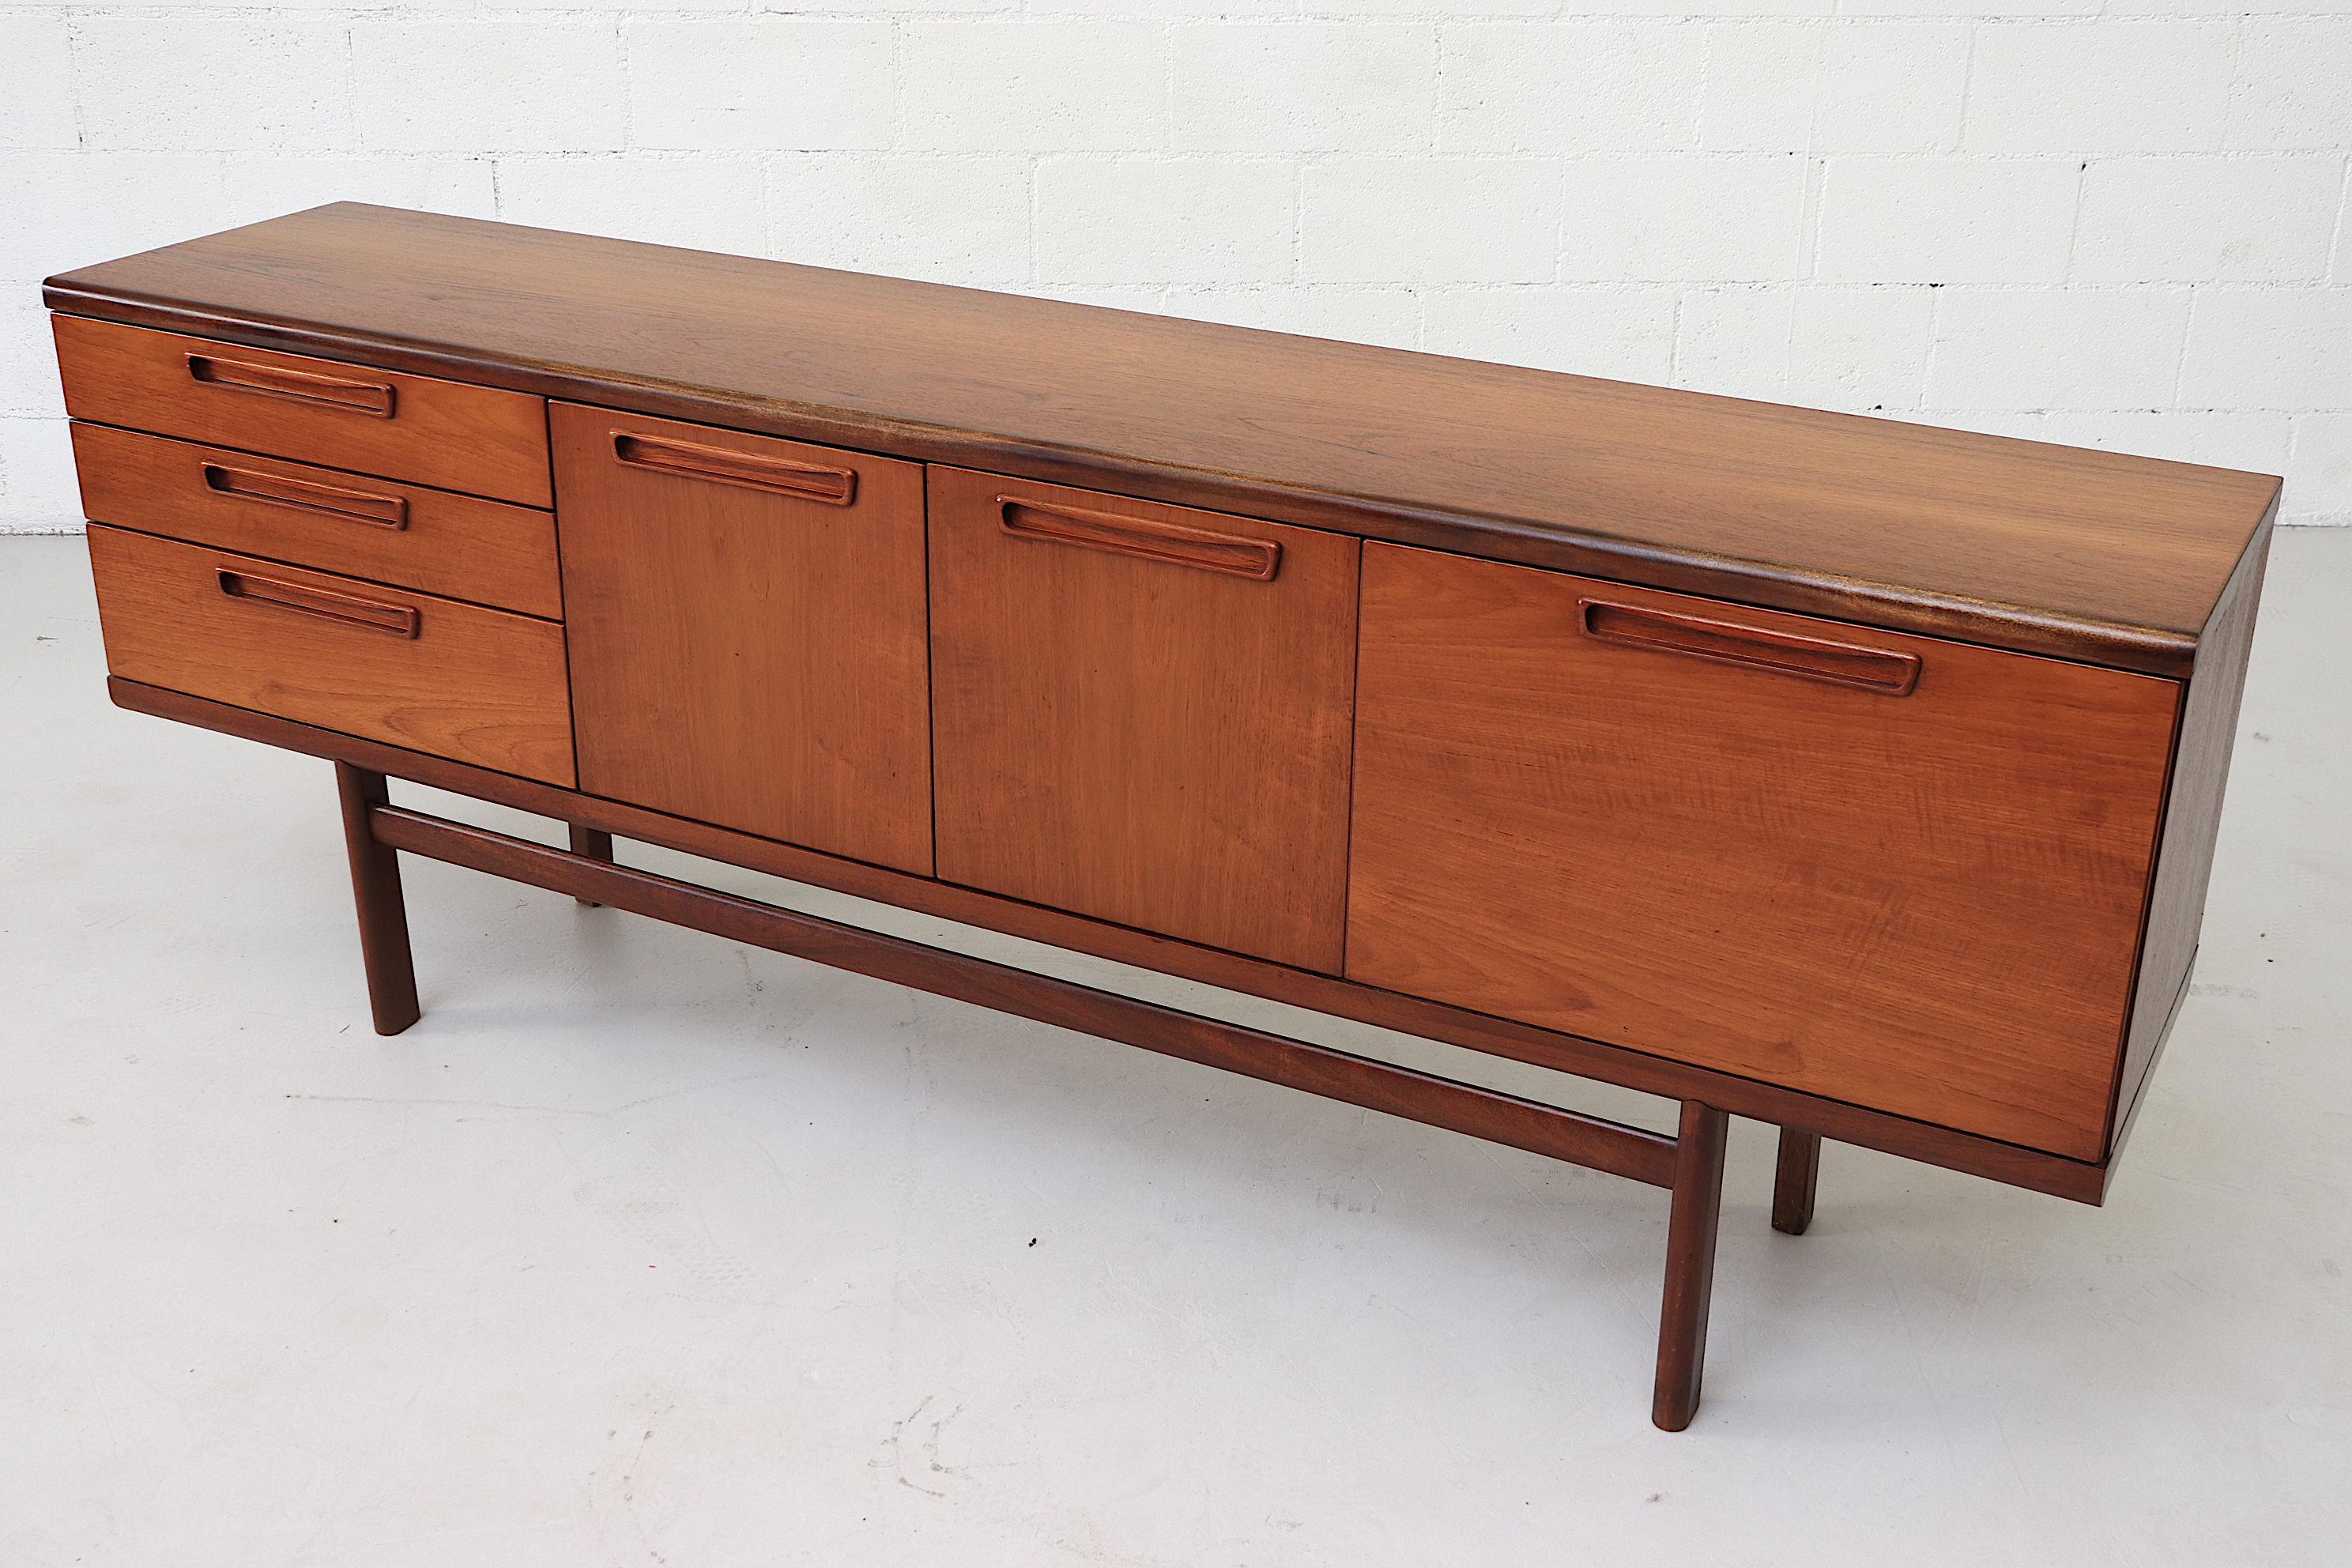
(2017, 544)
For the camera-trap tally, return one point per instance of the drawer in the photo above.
(438, 541)
(446, 434)
(1140, 712)
(746, 624)
(409, 670)
(1899, 872)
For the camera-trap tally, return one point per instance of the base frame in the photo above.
(1689, 1163)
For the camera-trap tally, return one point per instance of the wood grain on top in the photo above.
(2037, 548)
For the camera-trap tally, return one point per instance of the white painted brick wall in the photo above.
(1779, 86)
(1939, 219)
(2113, 222)
(1549, 87)
(2116, 87)
(504, 84)
(1302, 87)
(782, 83)
(1197, 220)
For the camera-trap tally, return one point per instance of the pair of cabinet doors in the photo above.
(1134, 711)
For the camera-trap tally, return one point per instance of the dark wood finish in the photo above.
(1137, 717)
(457, 680)
(446, 434)
(2193, 820)
(2034, 548)
(375, 890)
(1795, 1175)
(1630, 1151)
(2079, 1181)
(2117, 1144)
(1691, 1228)
(1923, 903)
(594, 844)
(743, 650)
(436, 542)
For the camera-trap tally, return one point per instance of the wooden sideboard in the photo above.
(1858, 777)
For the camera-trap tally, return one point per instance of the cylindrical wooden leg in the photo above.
(597, 846)
(375, 888)
(1690, 1264)
(1793, 1181)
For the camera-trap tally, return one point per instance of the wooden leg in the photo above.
(596, 846)
(1793, 1181)
(383, 917)
(1690, 1264)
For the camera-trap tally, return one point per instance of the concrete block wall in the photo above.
(2118, 223)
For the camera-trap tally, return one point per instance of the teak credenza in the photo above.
(1858, 777)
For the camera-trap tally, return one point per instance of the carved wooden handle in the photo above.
(335, 391)
(401, 620)
(810, 481)
(1235, 554)
(1843, 664)
(308, 495)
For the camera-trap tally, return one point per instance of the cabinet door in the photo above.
(746, 625)
(1887, 870)
(1141, 713)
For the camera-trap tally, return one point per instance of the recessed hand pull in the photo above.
(307, 495)
(1881, 670)
(1175, 543)
(719, 465)
(374, 397)
(401, 620)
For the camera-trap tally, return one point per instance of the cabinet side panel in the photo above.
(2192, 818)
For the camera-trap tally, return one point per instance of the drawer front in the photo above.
(446, 434)
(1141, 713)
(746, 619)
(437, 541)
(1898, 872)
(406, 669)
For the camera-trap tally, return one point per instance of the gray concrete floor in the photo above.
(647, 1248)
